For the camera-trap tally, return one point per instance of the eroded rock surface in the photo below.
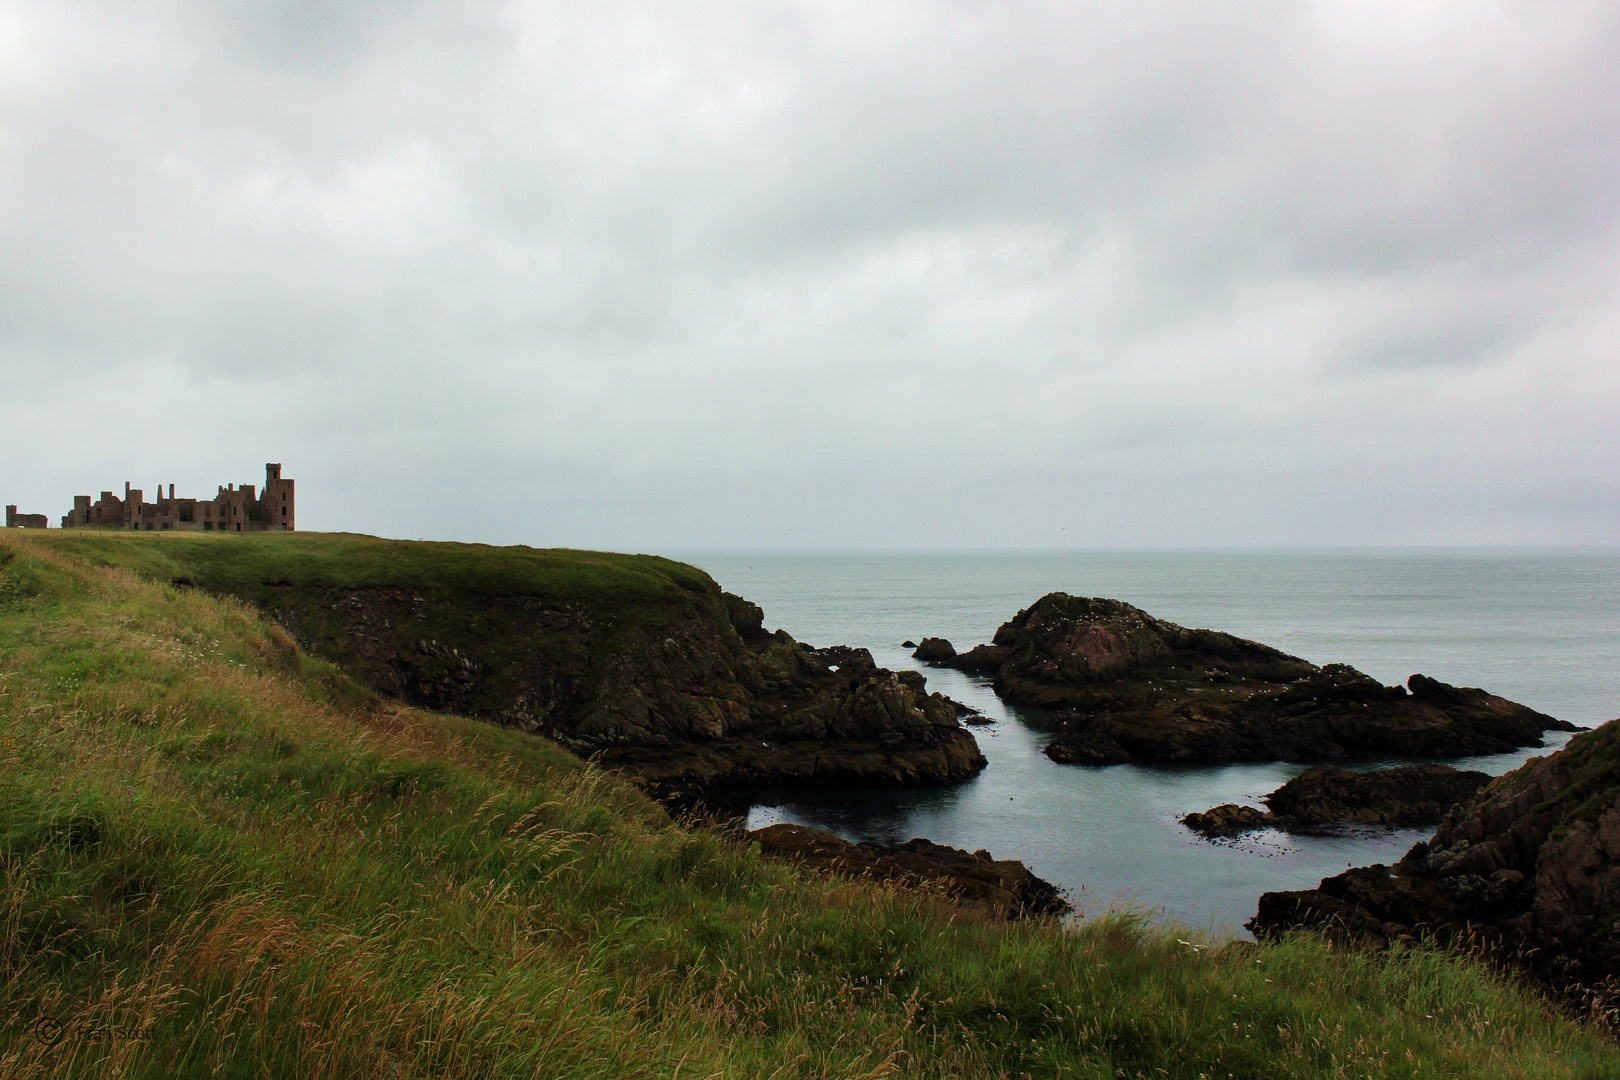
(1530, 865)
(1003, 887)
(1325, 797)
(1128, 687)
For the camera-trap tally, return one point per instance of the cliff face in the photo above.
(641, 660)
(1531, 864)
(1131, 687)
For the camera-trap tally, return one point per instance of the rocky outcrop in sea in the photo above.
(1325, 798)
(934, 650)
(1529, 866)
(1128, 687)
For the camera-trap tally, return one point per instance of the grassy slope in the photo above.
(304, 575)
(222, 858)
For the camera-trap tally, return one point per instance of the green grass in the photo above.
(243, 564)
(524, 613)
(223, 858)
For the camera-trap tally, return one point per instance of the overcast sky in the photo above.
(656, 276)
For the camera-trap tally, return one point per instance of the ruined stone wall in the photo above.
(235, 509)
(15, 520)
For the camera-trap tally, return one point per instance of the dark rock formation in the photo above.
(805, 716)
(908, 644)
(1530, 865)
(1073, 651)
(1134, 688)
(1326, 796)
(979, 660)
(1230, 819)
(640, 661)
(746, 617)
(1005, 887)
(1408, 796)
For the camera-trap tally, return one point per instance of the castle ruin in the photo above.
(15, 520)
(236, 509)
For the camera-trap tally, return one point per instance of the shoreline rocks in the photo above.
(1128, 687)
(1529, 866)
(1004, 888)
(1324, 798)
(815, 716)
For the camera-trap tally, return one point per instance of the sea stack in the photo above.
(1128, 687)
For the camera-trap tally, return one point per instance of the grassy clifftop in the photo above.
(222, 857)
(345, 592)
(354, 561)
(638, 658)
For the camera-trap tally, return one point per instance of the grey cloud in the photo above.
(898, 273)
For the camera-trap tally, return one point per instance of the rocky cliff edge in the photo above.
(640, 661)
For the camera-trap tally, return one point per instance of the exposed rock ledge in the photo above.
(1128, 687)
(1530, 866)
(1005, 887)
(1325, 796)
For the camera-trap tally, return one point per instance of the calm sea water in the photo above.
(1539, 628)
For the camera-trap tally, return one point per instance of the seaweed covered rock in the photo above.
(1530, 865)
(934, 650)
(1004, 887)
(1130, 687)
(1325, 797)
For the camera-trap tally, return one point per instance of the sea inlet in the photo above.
(1538, 627)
